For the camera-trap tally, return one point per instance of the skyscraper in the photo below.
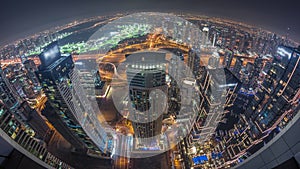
(275, 102)
(217, 91)
(23, 139)
(254, 74)
(10, 98)
(23, 128)
(31, 68)
(237, 67)
(214, 61)
(193, 62)
(146, 74)
(280, 88)
(67, 108)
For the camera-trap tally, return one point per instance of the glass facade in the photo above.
(25, 137)
(146, 74)
(78, 122)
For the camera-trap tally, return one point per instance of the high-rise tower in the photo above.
(279, 92)
(69, 110)
(146, 74)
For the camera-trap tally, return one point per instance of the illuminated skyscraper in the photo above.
(205, 36)
(217, 91)
(279, 93)
(228, 56)
(8, 95)
(31, 69)
(68, 108)
(23, 128)
(274, 104)
(87, 73)
(23, 139)
(214, 61)
(193, 62)
(258, 64)
(146, 74)
(237, 67)
(20, 108)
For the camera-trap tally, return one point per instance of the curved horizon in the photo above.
(23, 19)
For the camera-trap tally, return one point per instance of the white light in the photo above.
(228, 85)
(52, 52)
(284, 52)
(205, 29)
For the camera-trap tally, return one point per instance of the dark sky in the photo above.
(20, 18)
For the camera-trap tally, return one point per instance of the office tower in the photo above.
(87, 73)
(36, 122)
(228, 56)
(274, 104)
(146, 74)
(280, 89)
(258, 66)
(21, 125)
(205, 36)
(68, 108)
(175, 71)
(267, 67)
(31, 68)
(193, 62)
(214, 61)
(249, 68)
(218, 91)
(20, 81)
(246, 73)
(20, 108)
(24, 140)
(10, 98)
(237, 67)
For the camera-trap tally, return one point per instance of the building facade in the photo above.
(68, 108)
(146, 75)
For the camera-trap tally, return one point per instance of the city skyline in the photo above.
(165, 90)
(20, 21)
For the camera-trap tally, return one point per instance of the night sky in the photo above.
(20, 18)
